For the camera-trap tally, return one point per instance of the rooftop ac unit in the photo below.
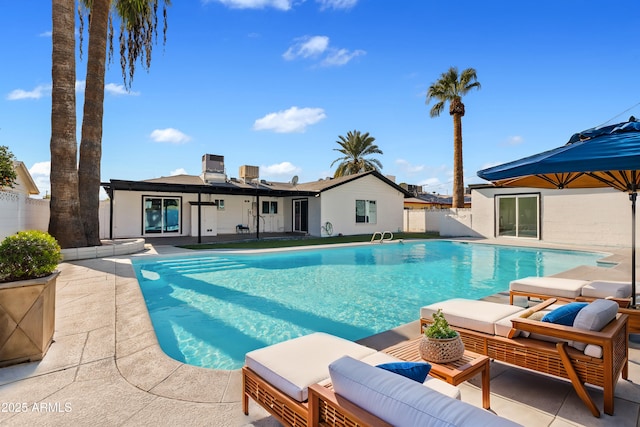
(212, 163)
(249, 173)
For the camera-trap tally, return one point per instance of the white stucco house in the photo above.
(594, 217)
(212, 204)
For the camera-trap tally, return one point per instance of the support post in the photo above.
(633, 196)
(199, 217)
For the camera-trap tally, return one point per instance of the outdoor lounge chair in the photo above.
(577, 290)
(294, 382)
(497, 330)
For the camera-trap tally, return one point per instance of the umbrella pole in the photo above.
(632, 197)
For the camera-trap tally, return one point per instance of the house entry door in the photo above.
(301, 215)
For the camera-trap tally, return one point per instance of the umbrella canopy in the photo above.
(606, 156)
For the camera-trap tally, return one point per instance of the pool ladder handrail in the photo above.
(382, 236)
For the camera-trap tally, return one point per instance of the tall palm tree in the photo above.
(138, 24)
(355, 148)
(91, 137)
(64, 220)
(451, 88)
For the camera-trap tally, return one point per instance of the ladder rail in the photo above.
(385, 236)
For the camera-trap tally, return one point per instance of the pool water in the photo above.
(210, 309)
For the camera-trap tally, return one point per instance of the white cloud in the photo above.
(41, 91)
(36, 93)
(336, 4)
(116, 89)
(173, 136)
(280, 169)
(315, 46)
(40, 172)
(255, 4)
(289, 121)
(307, 47)
(514, 140)
(408, 168)
(45, 34)
(179, 171)
(337, 57)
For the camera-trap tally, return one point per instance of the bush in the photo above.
(28, 255)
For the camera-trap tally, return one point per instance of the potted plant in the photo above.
(28, 262)
(440, 343)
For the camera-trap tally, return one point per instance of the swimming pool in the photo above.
(210, 309)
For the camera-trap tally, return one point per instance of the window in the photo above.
(220, 204)
(518, 216)
(366, 211)
(161, 215)
(269, 208)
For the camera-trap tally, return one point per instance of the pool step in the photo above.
(196, 265)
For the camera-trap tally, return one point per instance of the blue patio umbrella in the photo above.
(605, 156)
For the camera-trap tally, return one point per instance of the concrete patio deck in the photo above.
(106, 368)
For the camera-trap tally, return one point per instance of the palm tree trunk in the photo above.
(458, 175)
(91, 139)
(64, 220)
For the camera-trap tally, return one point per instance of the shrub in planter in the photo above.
(28, 255)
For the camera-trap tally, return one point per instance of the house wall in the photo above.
(238, 209)
(339, 207)
(570, 216)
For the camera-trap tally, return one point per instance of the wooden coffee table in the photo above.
(456, 372)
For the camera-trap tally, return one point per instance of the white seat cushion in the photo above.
(292, 366)
(554, 286)
(605, 289)
(471, 314)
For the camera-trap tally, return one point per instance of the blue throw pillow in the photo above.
(416, 371)
(564, 315)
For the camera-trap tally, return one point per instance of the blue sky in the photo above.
(273, 83)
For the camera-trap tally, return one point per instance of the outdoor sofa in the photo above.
(507, 333)
(577, 290)
(320, 379)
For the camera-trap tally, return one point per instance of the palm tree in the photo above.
(355, 148)
(91, 137)
(138, 19)
(451, 88)
(64, 220)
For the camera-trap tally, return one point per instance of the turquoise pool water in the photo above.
(210, 309)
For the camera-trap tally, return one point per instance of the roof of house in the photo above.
(195, 184)
(24, 178)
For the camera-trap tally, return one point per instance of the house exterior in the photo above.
(212, 204)
(570, 216)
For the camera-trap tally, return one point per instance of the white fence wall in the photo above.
(19, 212)
(447, 222)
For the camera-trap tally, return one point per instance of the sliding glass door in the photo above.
(518, 215)
(161, 215)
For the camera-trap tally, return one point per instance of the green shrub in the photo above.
(28, 255)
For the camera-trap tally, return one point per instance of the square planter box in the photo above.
(27, 319)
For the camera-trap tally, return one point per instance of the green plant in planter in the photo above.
(28, 255)
(440, 328)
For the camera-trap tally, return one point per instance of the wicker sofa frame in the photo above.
(323, 408)
(558, 359)
(624, 303)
